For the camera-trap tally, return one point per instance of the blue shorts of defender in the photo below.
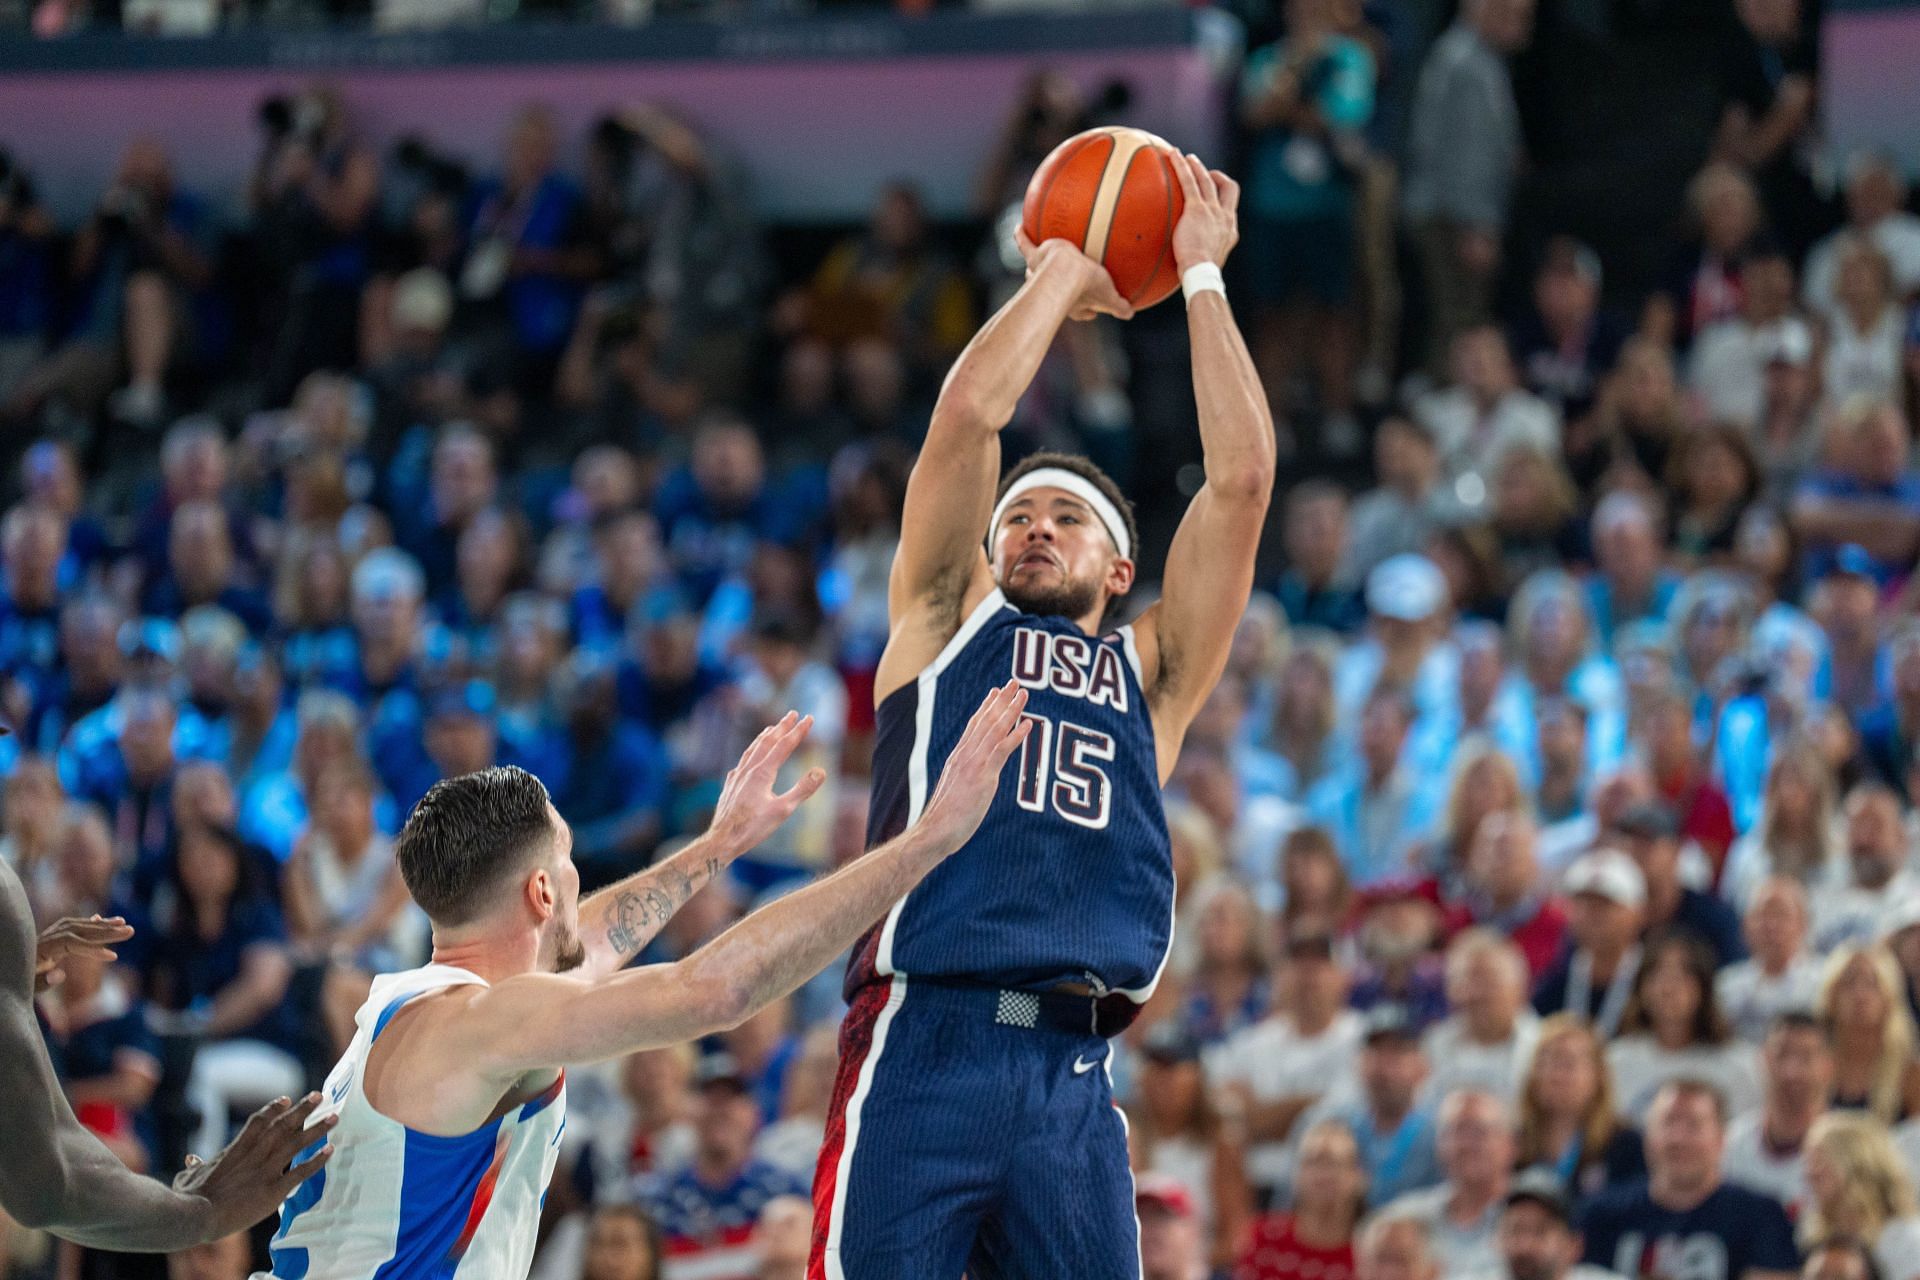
(973, 1132)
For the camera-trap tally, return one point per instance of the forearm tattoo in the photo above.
(642, 907)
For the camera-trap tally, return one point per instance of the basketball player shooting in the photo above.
(448, 1106)
(973, 1128)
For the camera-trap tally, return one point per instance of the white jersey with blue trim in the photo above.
(397, 1204)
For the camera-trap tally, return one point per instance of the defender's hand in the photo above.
(1096, 296)
(971, 775)
(1209, 226)
(248, 1180)
(749, 810)
(74, 938)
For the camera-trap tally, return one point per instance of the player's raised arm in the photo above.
(56, 1175)
(1184, 638)
(617, 922)
(548, 1020)
(950, 493)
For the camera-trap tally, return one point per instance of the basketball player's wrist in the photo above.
(1201, 277)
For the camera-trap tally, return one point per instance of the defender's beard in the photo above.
(568, 951)
(1068, 599)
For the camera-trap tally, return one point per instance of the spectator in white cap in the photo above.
(1606, 897)
(1408, 607)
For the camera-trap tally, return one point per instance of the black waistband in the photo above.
(1032, 1010)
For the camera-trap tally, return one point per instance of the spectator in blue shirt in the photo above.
(1375, 808)
(524, 253)
(310, 606)
(220, 973)
(203, 568)
(1394, 1132)
(130, 774)
(1629, 583)
(612, 788)
(462, 481)
(627, 565)
(491, 562)
(1684, 1219)
(32, 543)
(714, 511)
(1870, 496)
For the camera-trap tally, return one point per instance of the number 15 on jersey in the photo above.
(1060, 770)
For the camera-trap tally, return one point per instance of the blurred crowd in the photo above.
(1548, 890)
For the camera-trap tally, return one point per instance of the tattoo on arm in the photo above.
(642, 907)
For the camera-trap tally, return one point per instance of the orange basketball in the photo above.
(1113, 192)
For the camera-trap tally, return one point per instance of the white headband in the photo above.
(1080, 487)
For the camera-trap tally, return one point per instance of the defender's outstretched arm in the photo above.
(950, 493)
(618, 922)
(1184, 638)
(548, 1020)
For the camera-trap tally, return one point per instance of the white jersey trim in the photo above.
(928, 682)
(843, 1173)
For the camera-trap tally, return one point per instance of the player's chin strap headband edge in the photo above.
(1080, 487)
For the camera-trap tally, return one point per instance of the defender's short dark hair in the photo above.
(465, 836)
(1087, 470)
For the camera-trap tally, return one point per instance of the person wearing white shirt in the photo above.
(1766, 1147)
(1673, 1031)
(1866, 329)
(1778, 974)
(1486, 1043)
(1485, 412)
(1476, 1146)
(1877, 874)
(1727, 369)
(1876, 209)
(1268, 1074)
(1797, 834)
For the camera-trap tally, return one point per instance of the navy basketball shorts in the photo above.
(973, 1132)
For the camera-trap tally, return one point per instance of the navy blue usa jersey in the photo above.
(1070, 877)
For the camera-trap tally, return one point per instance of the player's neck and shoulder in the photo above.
(423, 1069)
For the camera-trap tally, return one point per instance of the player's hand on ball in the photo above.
(749, 810)
(248, 1180)
(1097, 295)
(1210, 224)
(75, 938)
(971, 776)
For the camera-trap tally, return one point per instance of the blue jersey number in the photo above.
(1060, 767)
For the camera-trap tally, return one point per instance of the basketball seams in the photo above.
(1170, 184)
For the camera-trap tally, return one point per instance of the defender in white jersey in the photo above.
(449, 1104)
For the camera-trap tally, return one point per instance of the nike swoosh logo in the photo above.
(1081, 1066)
